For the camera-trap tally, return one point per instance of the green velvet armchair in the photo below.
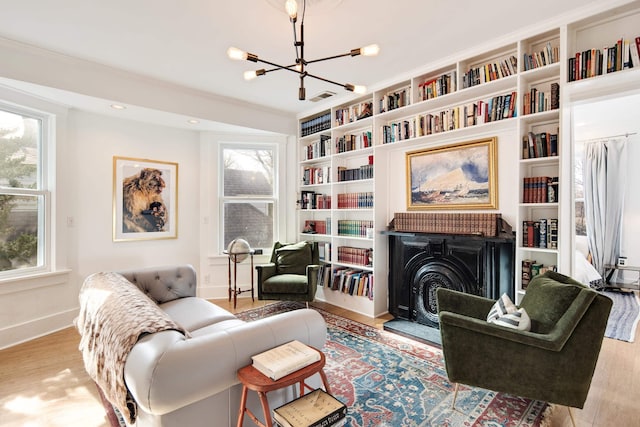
(292, 273)
(553, 362)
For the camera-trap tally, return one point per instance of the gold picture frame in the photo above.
(456, 176)
(145, 199)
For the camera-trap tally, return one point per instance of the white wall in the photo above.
(83, 217)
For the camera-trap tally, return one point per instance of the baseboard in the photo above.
(27, 331)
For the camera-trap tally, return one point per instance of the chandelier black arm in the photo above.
(278, 66)
(332, 57)
(346, 86)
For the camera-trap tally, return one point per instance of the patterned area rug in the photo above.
(624, 316)
(389, 380)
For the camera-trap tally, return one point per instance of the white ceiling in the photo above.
(185, 42)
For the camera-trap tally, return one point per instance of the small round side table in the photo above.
(252, 379)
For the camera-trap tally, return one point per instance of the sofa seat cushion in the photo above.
(286, 284)
(193, 313)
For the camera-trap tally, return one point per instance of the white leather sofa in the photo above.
(180, 381)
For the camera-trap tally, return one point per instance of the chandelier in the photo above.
(300, 65)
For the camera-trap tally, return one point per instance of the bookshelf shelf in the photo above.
(536, 58)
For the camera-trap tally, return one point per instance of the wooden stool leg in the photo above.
(265, 409)
(243, 405)
(325, 381)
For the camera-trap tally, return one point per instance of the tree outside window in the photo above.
(21, 196)
(249, 202)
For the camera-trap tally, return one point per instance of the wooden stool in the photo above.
(252, 379)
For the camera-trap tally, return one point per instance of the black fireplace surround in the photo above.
(420, 263)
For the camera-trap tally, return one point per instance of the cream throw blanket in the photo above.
(114, 314)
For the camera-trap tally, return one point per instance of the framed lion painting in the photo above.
(145, 199)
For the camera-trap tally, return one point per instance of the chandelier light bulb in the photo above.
(237, 54)
(370, 50)
(291, 6)
(359, 89)
(250, 75)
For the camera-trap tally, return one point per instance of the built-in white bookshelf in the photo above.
(533, 62)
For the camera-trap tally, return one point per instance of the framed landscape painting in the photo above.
(145, 199)
(456, 176)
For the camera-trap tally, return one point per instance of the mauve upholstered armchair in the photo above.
(553, 362)
(292, 273)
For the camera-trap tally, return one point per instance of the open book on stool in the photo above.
(315, 409)
(285, 359)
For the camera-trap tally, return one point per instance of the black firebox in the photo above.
(420, 263)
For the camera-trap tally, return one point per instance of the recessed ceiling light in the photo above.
(193, 121)
(118, 107)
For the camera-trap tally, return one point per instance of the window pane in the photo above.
(19, 145)
(19, 231)
(250, 221)
(248, 172)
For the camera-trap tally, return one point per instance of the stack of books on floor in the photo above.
(285, 359)
(315, 409)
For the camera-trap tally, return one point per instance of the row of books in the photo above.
(475, 113)
(542, 144)
(441, 85)
(548, 55)
(359, 200)
(531, 268)
(395, 99)
(317, 226)
(355, 174)
(351, 142)
(540, 189)
(353, 112)
(357, 256)
(354, 227)
(312, 175)
(349, 281)
(484, 224)
(316, 124)
(317, 149)
(313, 200)
(491, 71)
(541, 233)
(537, 101)
(624, 54)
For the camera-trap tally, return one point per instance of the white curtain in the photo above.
(605, 175)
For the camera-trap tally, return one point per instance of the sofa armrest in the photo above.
(265, 271)
(165, 372)
(481, 327)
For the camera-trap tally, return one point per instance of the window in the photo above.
(249, 202)
(23, 197)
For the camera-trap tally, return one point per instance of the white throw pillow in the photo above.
(503, 306)
(517, 320)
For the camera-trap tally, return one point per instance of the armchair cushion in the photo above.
(548, 302)
(293, 259)
(286, 283)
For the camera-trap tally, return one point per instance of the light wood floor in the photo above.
(43, 382)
